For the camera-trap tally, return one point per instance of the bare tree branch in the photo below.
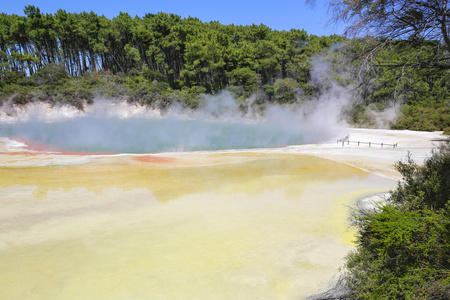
(414, 22)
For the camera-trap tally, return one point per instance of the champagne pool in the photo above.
(138, 135)
(150, 132)
(218, 225)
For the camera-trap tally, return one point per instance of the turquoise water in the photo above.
(144, 135)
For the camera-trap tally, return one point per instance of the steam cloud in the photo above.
(128, 129)
(118, 127)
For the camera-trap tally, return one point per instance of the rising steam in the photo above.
(118, 127)
(125, 128)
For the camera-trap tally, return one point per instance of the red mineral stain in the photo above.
(154, 159)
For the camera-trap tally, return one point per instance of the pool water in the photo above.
(238, 225)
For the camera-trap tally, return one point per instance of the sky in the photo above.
(278, 15)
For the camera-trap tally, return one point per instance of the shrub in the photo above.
(51, 74)
(22, 98)
(423, 118)
(10, 77)
(403, 249)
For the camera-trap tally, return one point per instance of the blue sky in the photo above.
(279, 15)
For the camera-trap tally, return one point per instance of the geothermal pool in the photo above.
(237, 225)
(122, 128)
(139, 135)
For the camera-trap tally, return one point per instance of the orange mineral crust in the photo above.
(154, 159)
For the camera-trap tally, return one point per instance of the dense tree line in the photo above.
(156, 60)
(162, 59)
(181, 52)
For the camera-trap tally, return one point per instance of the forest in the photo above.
(161, 60)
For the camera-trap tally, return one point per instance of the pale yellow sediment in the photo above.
(204, 226)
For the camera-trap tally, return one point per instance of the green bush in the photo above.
(10, 77)
(51, 74)
(403, 249)
(400, 255)
(22, 97)
(423, 118)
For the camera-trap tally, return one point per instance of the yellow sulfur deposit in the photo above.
(235, 225)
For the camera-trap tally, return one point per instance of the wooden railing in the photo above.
(346, 140)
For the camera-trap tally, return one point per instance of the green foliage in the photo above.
(184, 53)
(403, 249)
(401, 255)
(286, 90)
(10, 77)
(359, 115)
(427, 186)
(424, 118)
(22, 97)
(421, 25)
(245, 77)
(51, 74)
(148, 94)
